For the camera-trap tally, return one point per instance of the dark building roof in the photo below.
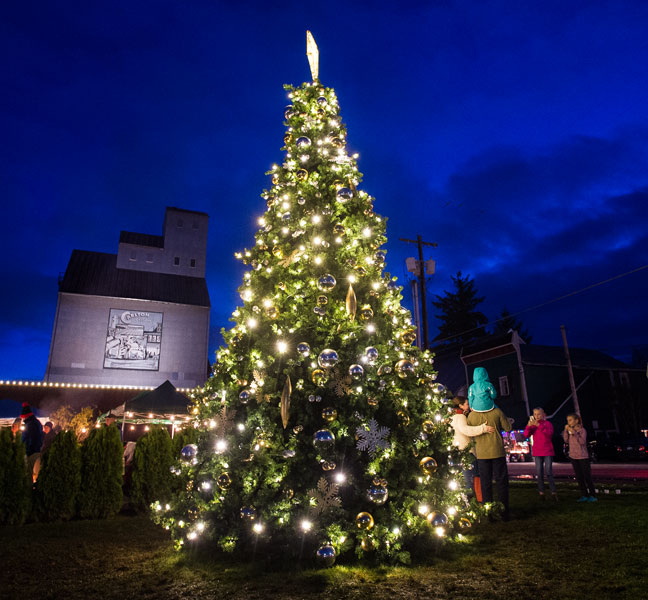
(580, 357)
(96, 274)
(141, 239)
(186, 210)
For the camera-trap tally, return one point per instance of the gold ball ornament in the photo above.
(372, 401)
(403, 417)
(319, 377)
(272, 312)
(302, 174)
(224, 481)
(366, 312)
(338, 229)
(405, 368)
(428, 426)
(409, 337)
(275, 178)
(364, 521)
(464, 523)
(322, 300)
(428, 465)
(329, 414)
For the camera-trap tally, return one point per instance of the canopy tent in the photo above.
(164, 406)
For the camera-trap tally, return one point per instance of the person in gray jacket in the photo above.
(575, 437)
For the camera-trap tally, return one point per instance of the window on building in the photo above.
(180, 223)
(192, 262)
(133, 255)
(194, 224)
(149, 258)
(504, 386)
(176, 261)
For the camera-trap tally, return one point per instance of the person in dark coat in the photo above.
(32, 437)
(48, 438)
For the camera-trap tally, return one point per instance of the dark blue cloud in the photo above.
(515, 136)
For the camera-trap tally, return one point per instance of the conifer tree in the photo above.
(460, 320)
(59, 479)
(15, 480)
(152, 462)
(101, 495)
(323, 433)
(506, 322)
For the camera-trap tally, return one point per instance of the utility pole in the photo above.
(421, 275)
(572, 383)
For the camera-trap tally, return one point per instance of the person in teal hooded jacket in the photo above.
(481, 393)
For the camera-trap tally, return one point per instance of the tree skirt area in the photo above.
(564, 550)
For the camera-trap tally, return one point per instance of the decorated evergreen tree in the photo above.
(323, 432)
(460, 320)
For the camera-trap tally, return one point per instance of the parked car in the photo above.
(634, 449)
(614, 447)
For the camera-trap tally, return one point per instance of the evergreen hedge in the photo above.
(59, 479)
(151, 478)
(15, 484)
(100, 495)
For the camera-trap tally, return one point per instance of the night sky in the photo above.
(513, 134)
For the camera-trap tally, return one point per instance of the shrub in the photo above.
(101, 495)
(151, 479)
(59, 479)
(14, 480)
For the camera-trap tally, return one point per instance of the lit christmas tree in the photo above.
(323, 431)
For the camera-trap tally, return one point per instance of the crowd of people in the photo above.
(36, 437)
(478, 421)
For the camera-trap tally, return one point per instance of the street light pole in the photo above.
(421, 276)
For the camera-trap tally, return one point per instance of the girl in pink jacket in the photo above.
(542, 449)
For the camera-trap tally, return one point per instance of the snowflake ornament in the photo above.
(224, 419)
(372, 439)
(324, 497)
(340, 382)
(257, 386)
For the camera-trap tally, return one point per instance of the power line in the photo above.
(589, 287)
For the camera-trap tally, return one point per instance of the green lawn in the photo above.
(564, 550)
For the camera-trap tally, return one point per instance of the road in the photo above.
(600, 471)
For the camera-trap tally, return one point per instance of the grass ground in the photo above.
(548, 550)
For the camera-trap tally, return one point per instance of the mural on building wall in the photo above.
(133, 341)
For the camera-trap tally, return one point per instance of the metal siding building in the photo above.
(138, 317)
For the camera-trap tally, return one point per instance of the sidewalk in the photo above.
(600, 471)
